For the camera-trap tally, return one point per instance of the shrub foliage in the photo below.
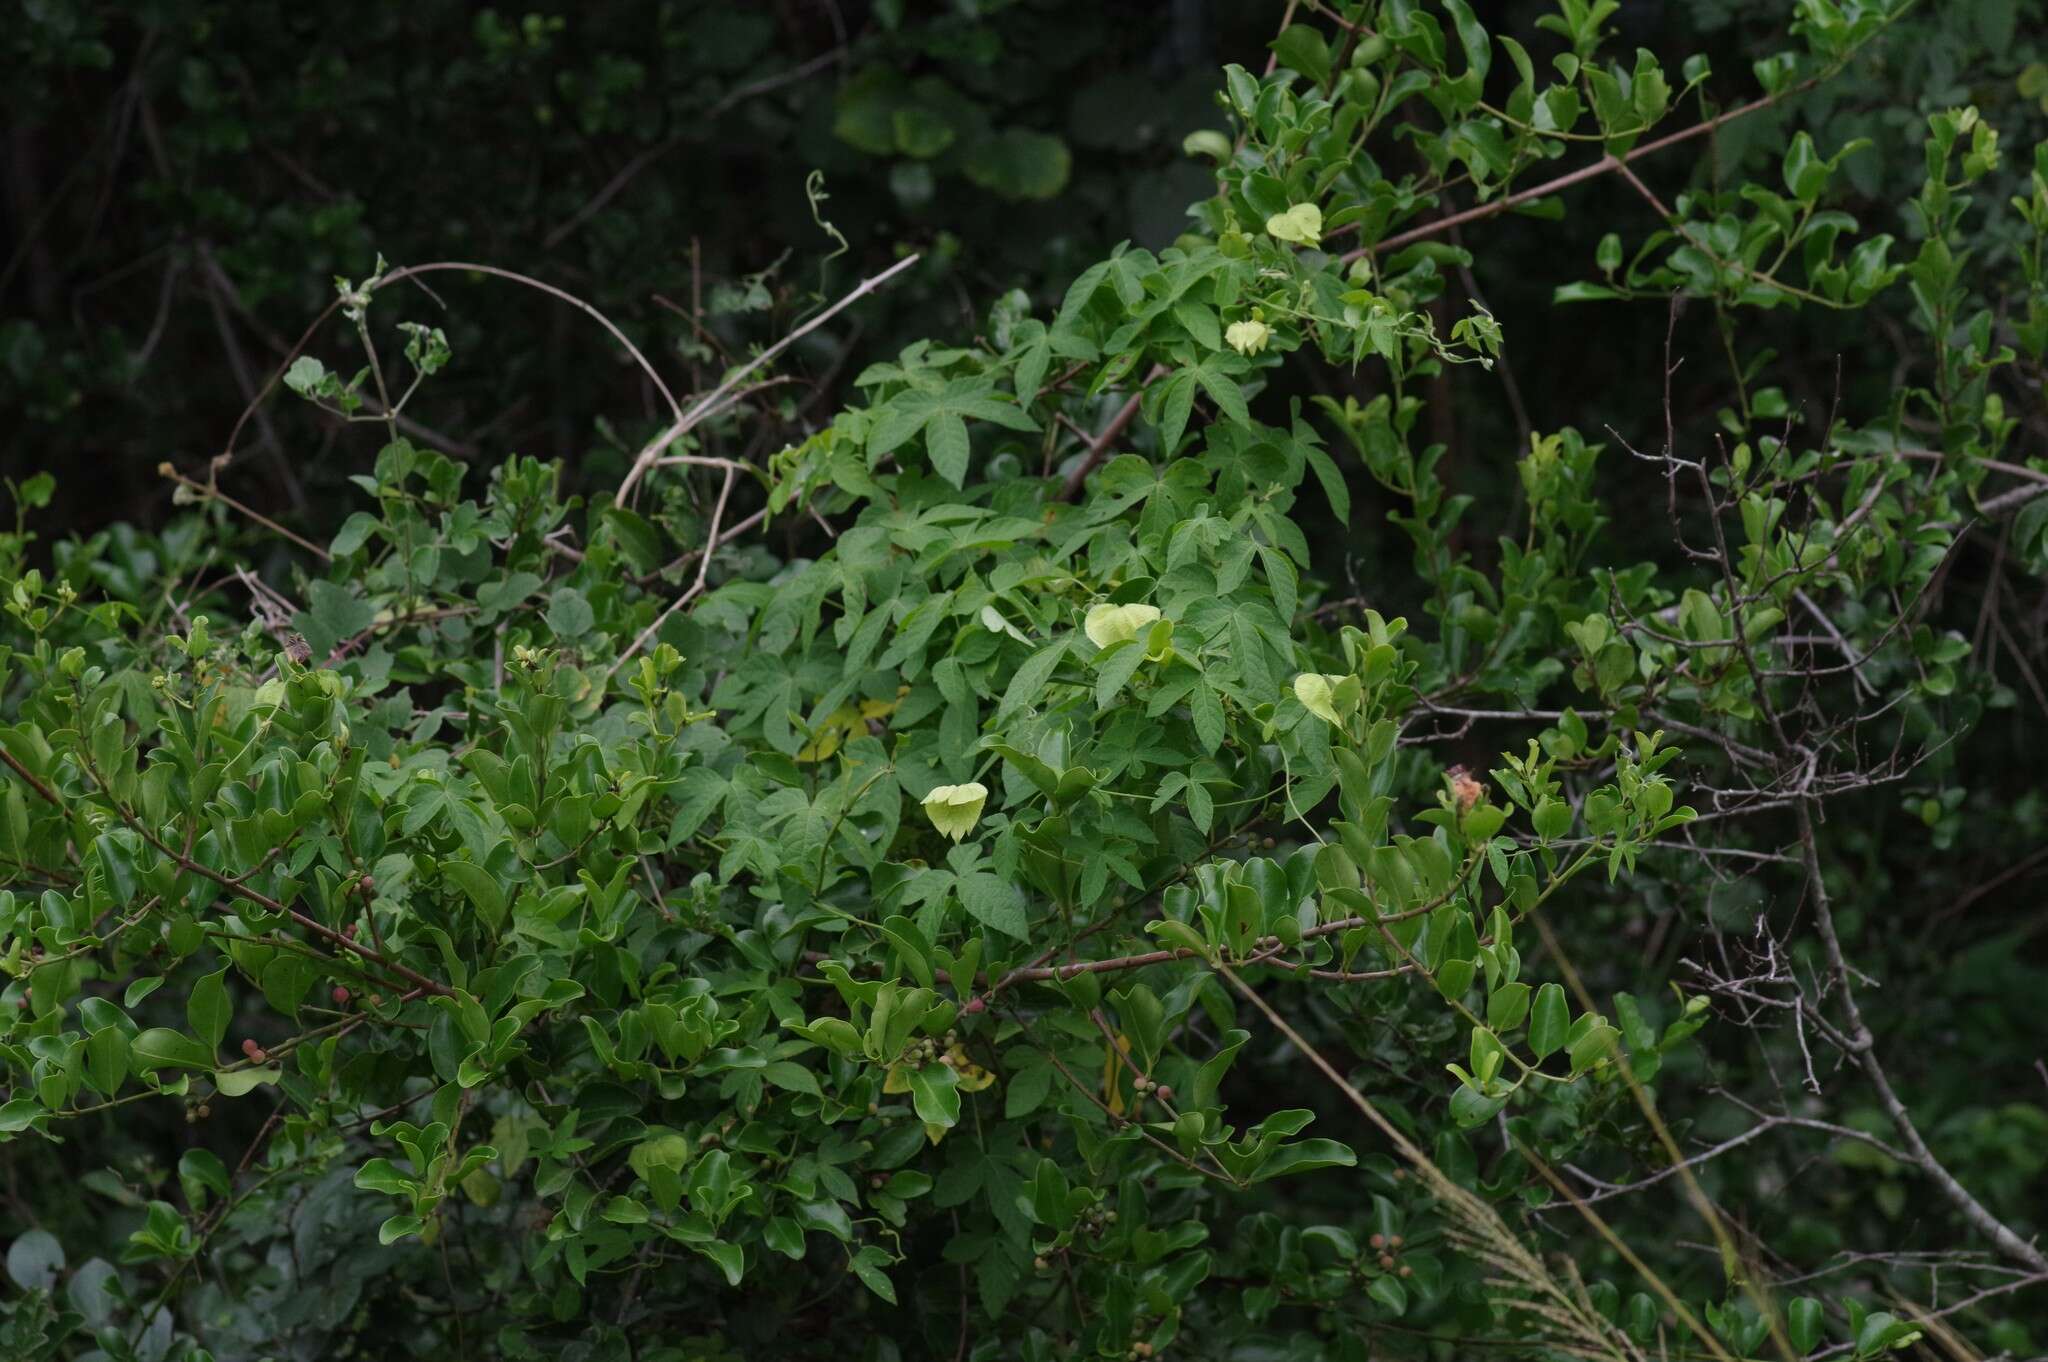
(1044, 914)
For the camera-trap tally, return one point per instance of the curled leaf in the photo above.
(955, 809)
(1319, 695)
(1107, 624)
(1302, 224)
(1248, 338)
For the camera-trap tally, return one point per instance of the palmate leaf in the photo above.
(942, 417)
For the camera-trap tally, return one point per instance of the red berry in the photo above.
(340, 995)
(249, 1047)
(975, 1005)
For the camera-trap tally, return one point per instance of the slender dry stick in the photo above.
(1694, 1193)
(213, 493)
(1501, 1237)
(1863, 1049)
(685, 420)
(712, 544)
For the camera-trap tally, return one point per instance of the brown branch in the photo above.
(262, 900)
(45, 791)
(1099, 446)
(1605, 165)
(213, 493)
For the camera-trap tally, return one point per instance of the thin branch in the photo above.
(1863, 1049)
(1099, 446)
(685, 420)
(1604, 166)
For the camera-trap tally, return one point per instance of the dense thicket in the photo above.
(1025, 680)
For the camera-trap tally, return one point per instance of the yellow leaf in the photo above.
(1318, 695)
(1302, 224)
(1112, 1090)
(898, 1080)
(971, 1077)
(838, 726)
(1107, 624)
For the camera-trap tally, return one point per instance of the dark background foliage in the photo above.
(183, 180)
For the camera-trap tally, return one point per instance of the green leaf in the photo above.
(1115, 669)
(207, 1009)
(945, 438)
(792, 1077)
(867, 1265)
(784, 1236)
(1031, 678)
(638, 541)
(1302, 47)
(1550, 1021)
(1593, 1046)
(508, 592)
(1305, 1156)
(1389, 1292)
(480, 888)
(160, 1048)
(1206, 708)
(1506, 1006)
(729, 1257)
(569, 614)
(398, 1227)
(1026, 1091)
(1471, 37)
(242, 1082)
(382, 1175)
(994, 903)
(106, 1059)
(1019, 164)
(333, 614)
(935, 1092)
(920, 132)
(1803, 1319)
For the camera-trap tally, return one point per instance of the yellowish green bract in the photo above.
(955, 809)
